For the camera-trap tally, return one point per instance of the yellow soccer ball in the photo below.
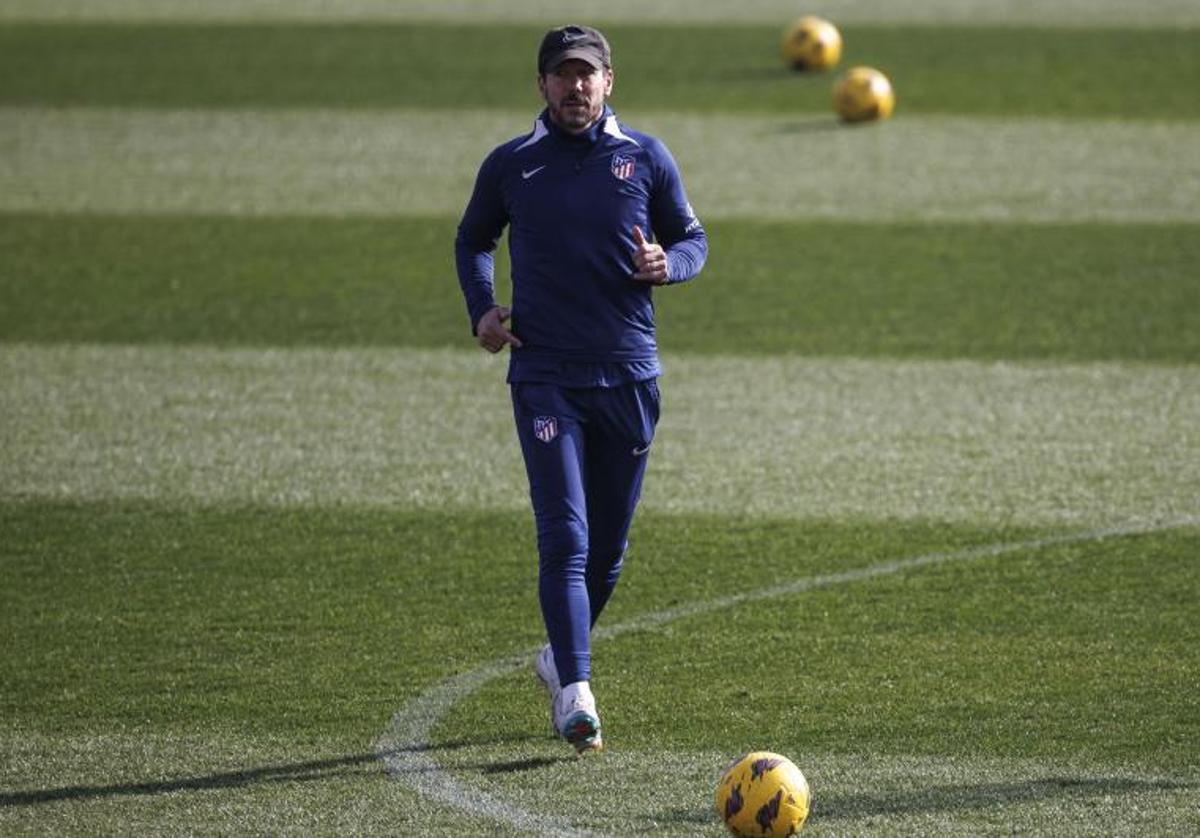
(862, 94)
(762, 793)
(811, 43)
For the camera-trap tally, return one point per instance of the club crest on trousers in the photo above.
(545, 428)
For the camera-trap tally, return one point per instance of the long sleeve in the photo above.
(479, 232)
(675, 225)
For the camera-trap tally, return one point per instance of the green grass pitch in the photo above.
(958, 70)
(923, 513)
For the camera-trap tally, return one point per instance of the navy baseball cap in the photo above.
(567, 42)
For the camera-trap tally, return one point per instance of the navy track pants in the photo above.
(585, 454)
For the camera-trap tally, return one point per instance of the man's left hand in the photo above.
(649, 259)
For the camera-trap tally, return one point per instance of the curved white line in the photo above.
(405, 747)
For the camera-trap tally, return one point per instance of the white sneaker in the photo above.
(547, 673)
(576, 719)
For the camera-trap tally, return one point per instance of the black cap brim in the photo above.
(583, 54)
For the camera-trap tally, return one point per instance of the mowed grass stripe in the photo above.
(961, 70)
(806, 439)
(234, 784)
(1074, 13)
(334, 162)
(862, 794)
(1019, 291)
(150, 781)
(317, 599)
(229, 662)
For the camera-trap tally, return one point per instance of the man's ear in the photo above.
(608, 81)
(541, 85)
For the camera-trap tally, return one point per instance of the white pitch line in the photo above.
(405, 746)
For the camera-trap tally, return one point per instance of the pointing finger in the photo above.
(638, 238)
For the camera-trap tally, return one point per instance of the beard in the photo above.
(575, 114)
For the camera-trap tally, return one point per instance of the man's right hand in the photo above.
(490, 330)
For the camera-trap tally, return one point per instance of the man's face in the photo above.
(575, 93)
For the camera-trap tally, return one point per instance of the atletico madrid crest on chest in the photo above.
(622, 166)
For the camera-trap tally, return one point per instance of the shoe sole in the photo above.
(582, 730)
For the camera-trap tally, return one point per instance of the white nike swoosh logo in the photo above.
(637, 452)
(527, 175)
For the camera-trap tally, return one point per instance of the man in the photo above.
(597, 217)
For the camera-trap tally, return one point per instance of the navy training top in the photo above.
(571, 203)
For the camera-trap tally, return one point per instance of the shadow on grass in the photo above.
(458, 744)
(848, 807)
(531, 763)
(983, 796)
(298, 772)
(321, 769)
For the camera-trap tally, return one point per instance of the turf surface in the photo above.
(1087, 445)
(333, 163)
(267, 557)
(166, 618)
(729, 69)
(1020, 291)
(1074, 13)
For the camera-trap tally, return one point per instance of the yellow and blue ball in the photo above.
(811, 43)
(763, 793)
(862, 94)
